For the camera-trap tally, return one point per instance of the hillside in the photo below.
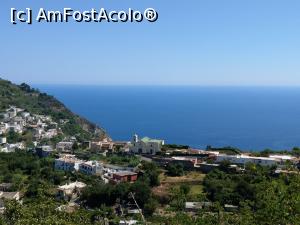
(35, 102)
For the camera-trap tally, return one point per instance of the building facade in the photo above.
(67, 163)
(145, 145)
(91, 168)
(244, 159)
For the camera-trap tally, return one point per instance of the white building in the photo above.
(3, 140)
(12, 112)
(12, 147)
(50, 133)
(145, 145)
(91, 168)
(4, 149)
(67, 163)
(244, 159)
(19, 121)
(283, 157)
(25, 114)
(70, 191)
(38, 132)
(128, 222)
(3, 128)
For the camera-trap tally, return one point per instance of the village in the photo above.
(16, 122)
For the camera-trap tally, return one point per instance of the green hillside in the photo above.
(35, 102)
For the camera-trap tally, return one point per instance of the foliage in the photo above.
(226, 150)
(150, 173)
(42, 213)
(150, 207)
(13, 137)
(175, 169)
(174, 146)
(124, 160)
(262, 198)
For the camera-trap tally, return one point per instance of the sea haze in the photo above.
(251, 118)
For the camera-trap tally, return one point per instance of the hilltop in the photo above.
(36, 102)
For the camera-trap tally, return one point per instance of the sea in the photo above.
(249, 118)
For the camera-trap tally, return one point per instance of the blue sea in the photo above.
(250, 118)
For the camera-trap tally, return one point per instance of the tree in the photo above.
(178, 199)
(13, 137)
(225, 166)
(296, 151)
(142, 192)
(150, 207)
(151, 173)
(185, 189)
(175, 169)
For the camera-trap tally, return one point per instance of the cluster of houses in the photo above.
(43, 127)
(144, 145)
(109, 173)
(19, 120)
(205, 161)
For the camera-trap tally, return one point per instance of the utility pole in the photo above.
(132, 196)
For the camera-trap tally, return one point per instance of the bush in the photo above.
(175, 169)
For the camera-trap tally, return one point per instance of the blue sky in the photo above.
(194, 42)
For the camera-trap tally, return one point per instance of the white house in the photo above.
(3, 128)
(3, 140)
(67, 163)
(283, 157)
(91, 168)
(13, 147)
(25, 114)
(50, 133)
(145, 145)
(12, 112)
(128, 222)
(70, 191)
(4, 149)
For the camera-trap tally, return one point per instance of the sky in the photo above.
(193, 42)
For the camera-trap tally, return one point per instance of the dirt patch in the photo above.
(167, 182)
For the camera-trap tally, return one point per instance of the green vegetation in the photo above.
(261, 197)
(37, 180)
(265, 153)
(13, 137)
(123, 160)
(226, 150)
(43, 212)
(174, 146)
(175, 169)
(31, 175)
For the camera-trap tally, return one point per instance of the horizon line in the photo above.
(166, 85)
